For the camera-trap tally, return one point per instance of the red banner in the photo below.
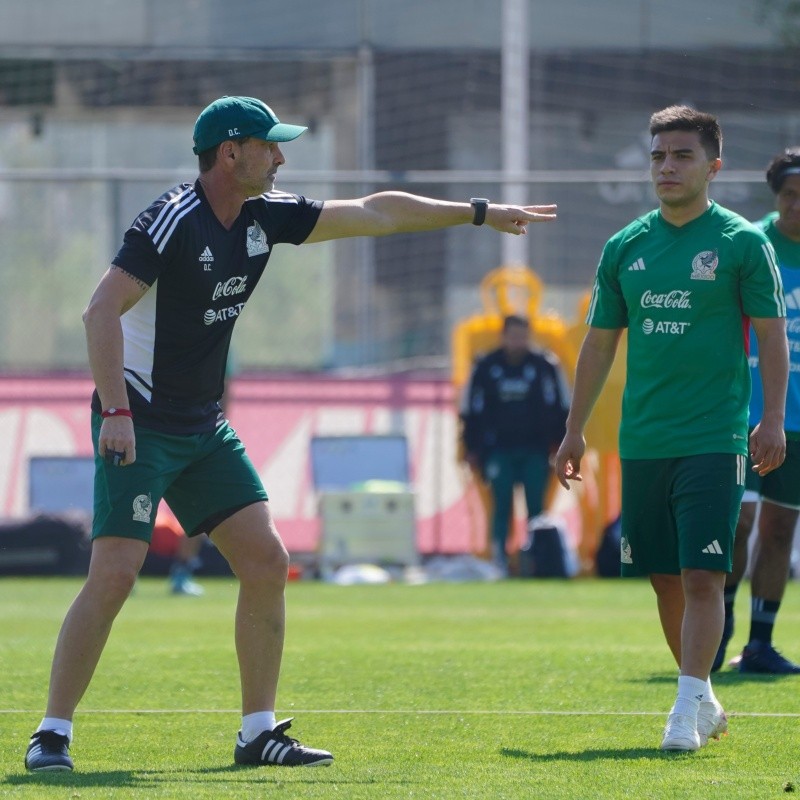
(275, 416)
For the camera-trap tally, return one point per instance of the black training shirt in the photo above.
(200, 276)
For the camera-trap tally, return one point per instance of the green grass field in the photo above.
(531, 689)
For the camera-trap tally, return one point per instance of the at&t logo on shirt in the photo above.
(675, 328)
(212, 315)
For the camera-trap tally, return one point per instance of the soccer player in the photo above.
(683, 280)
(778, 492)
(158, 329)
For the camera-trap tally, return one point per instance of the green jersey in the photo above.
(686, 295)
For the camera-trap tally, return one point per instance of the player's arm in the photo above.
(768, 440)
(560, 407)
(117, 292)
(594, 362)
(398, 212)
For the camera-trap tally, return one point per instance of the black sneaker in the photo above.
(727, 633)
(275, 748)
(49, 751)
(763, 657)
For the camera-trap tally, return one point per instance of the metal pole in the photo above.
(366, 161)
(515, 122)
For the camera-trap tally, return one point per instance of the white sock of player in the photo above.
(62, 726)
(257, 723)
(709, 696)
(691, 692)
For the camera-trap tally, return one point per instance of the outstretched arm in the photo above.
(594, 362)
(398, 212)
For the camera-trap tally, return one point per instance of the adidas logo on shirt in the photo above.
(207, 259)
(713, 548)
(637, 265)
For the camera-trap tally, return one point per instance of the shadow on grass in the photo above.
(143, 778)
(730, 677)
(618, 754)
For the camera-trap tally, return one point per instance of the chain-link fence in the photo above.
(93, 129)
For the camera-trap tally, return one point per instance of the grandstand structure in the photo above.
(97, 102)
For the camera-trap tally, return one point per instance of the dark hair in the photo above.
(515, 320)
(207, 158)
(779, 167)
(684, 118)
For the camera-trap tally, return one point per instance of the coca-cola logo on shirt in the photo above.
(229, 288)
(674, 299)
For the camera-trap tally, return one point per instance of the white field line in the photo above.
(407, 712)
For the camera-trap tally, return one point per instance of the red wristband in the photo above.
(116, 412)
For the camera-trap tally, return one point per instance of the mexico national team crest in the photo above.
(142, 508)
(704, 265)
(256, 240)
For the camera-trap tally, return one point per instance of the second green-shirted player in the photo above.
(686, 281)
(685, 294)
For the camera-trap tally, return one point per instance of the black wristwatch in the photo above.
(479, 204)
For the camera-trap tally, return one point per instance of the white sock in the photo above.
(255, 724)
(690, 694)
(62, 726)
(709, 696)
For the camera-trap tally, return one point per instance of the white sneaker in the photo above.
(680, 733)
(712, 721)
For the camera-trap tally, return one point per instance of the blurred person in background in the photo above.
(158, 330)
(513, 414)
(775, 496)
(186, 562)
(680, 280)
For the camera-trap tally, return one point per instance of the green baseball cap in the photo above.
(232, 117)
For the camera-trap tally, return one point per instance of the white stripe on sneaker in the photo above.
(274, 752)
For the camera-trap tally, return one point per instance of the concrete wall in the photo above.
(186, 25)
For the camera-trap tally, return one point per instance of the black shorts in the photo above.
(782, 485)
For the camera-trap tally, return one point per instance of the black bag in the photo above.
(547, 552)
(607, 560)
(44, 545)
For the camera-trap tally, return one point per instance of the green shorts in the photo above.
(782, 485)
(680, 513)
(203, 477)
